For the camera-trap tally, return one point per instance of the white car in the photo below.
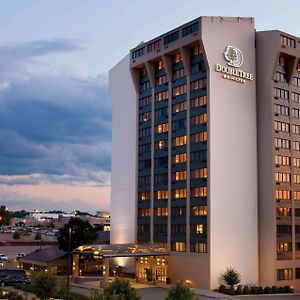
(3, 257)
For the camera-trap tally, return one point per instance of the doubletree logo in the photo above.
(234, 56)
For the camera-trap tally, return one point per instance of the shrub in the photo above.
(120, 289)
(246, 290)
(179, 291)
(274, 289)
(260, 290)
(44, 285)
(239, 290)
(288, 289)
(281, 290)
(24, 287)
(253, 290)
(230, 291)
(267, 290)
(231, 276)
(168, 280)
(222, 288)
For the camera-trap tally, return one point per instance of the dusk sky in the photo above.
(55, 115)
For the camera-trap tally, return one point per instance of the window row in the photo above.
(194, 247)
(198, 84)
(281, 93)
(281, 126)
(282, 143)
(161, 96)
(281, 110)
(295, 97)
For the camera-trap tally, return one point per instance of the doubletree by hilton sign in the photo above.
(232, 72)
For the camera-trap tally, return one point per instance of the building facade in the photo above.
(184, 162)
(278, 103)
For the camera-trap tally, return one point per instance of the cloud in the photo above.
(54, 127)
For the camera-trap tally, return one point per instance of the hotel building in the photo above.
(193, 113)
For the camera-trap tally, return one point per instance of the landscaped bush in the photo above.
(222, 288)
(260, 290)
(246, 290)
(24, 287)
(267, 290)
(253, 290)
(230, 291)
(288, 289)
(274, 289)
(239, 290)
(281, 290)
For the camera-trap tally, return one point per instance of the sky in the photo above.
(55, 114)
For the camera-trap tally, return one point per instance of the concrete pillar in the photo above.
(105, 272)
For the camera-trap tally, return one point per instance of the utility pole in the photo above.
(69, 264)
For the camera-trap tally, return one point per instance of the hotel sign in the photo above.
(232, 72)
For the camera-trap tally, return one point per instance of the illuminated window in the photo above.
(296, 195)
(296, 80)
(176, 58)
(285, 274)
(178, 107)
(283, 211)
(199, 228)
(198, 84)
(161, 195)
(296, 129)
(296, 162)
(159, 65)
(143, 71)
(282, 143)
(161, 211)
(199, 119)
(162, 96)
(179, 158)
(196, 50)
(181, 175)
(281, 126)
(178, 246)
(177, 74)
(199, 173)
(144, 212)
(199, 210)
(179, 90)
(200, 137)
(296, 97)
(199, 101)
(200, 191)
(161, 144)
(144, 196)
(161, 80)
(282, 194)
(199, 247)
(179, 193)
(145, 101)
(162, 128)
(282, 177)
(179, 141)
(296, 178)
(145, 117)
(281, 61)
(296, 145)
(279, 76)
(281, 110)
(283, 247)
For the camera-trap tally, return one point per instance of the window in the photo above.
(295, 97)
(162, 96)
(199, 229)
(284, 229)
(199, 173)
(296, 81)
(198, 84)
(144, 196)
(281, 93)
(278, 76)
(171, 37)
(179, 193)
(282, 177)
(162, 128)
(282, 143)
(283, 211)
(199, 137)
(296, 145)
(297, 273)
(296, 195)
(144, 148)
(143, 228)
(199, 101)
(161, 228)
(161, 178)
(281, 126)
(200, 191)
(196, 50)
(179, 90)
(144, 212)
(161, 112)
(179, 158)
(144, 132)
(160, 145)
(284, 247)
(190, 29)
(145, 101)
(159, 65)
(161, 80)
(178, 124)
(296, 113)
(153, 46)
(286, 41)
(178, 107)
(199, 156)
(197, 67)
(144, 86)
(176, 58)
(281, 110)
(178, 229)
(179, 141)
(137, 53)
(199, 210)
(178, 211)
(296, 129)
(178, 246)
(178, 74)
(282, 194)
(199, 119)
(282, 160)
(144, 180)
(296, 178)
(145, 117)
(281, 61)
(161, 162)
(296, 162)
(180, 175)
(161, 195)
(284, 274)
(161, 211)
(198, 247)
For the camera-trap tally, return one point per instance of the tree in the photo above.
(82, 233)
(17, 235)
(38, 236)
(180, 291)
(5, 215)
(44, 285)
(231, 276)
(120, 289)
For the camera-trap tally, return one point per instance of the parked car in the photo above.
(20, 255)
(13, 279)
(11, 272)
(3, 257)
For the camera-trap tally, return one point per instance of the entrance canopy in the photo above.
(122, 250)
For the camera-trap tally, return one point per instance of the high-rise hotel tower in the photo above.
(194, 164)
